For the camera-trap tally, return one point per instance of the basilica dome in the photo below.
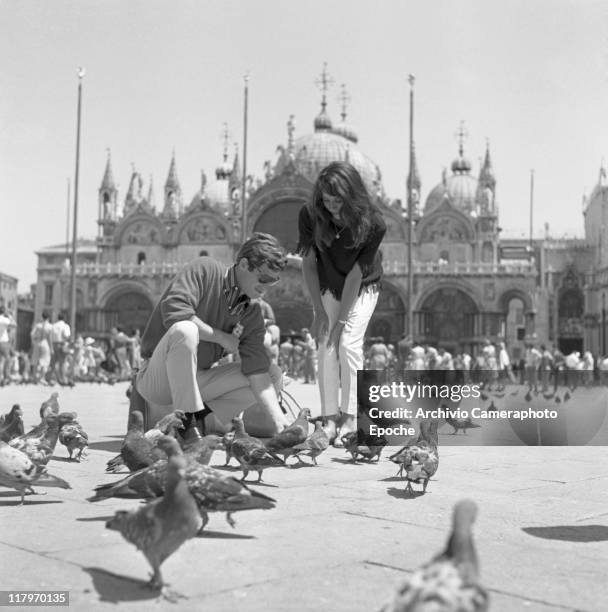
(313, 152)
(460, 189)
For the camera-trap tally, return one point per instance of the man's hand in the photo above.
(229, 342)
(320, 325)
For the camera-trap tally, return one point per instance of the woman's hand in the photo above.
(320, 325)
(335, 335)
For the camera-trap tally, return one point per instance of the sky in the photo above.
(528, 76)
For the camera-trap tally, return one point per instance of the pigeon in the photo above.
(367, 446)
(213, 490)
(420, 461)
(250, 452)
(314, 445)
(558, 400)
(74, 438)
(50, 406)
(528, 396)
(19, 472)
(136, 451)
(450, 581)
(11, 424)
(40, 448)
(168, 425)
(160, 527)
(463, 424)
(566, 396)
(148, 482)
(227, 442)
(296, 433)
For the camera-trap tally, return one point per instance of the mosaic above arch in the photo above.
(445, 229)
(140, 232)
(203, 229)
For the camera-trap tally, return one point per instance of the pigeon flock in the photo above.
(178, 488)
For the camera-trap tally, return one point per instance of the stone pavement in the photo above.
(341, 537)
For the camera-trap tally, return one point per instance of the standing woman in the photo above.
(340, 232)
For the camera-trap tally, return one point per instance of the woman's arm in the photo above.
(311, 279)
(350, 292)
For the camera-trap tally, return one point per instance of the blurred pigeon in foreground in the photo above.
(450, 582)
(160, 527)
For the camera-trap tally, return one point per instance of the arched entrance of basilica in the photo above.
(389, 315)
(290, 302)
(448, 317)
(129, 310)
(281, 220)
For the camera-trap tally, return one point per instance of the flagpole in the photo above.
(244, 185)
(67, 223)
(81, 74)
(410, 222)
(531, 209)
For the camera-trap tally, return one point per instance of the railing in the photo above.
(394, 267)
(128, 269)
(397, 267)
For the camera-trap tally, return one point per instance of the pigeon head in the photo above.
(465, 512)
(176, 470)
(66, 417)
(304, 413)
(117, 521)
(169, 445)
(238, 425)
(136, 420)
(16, 411)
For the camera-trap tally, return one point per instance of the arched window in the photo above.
(203, 253)
(141, 257)
(444, 257)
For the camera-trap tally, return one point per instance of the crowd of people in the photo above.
(540, 366)
(58, 358)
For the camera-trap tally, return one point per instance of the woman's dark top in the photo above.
(335, 261)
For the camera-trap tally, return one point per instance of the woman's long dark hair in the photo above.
(342, 180)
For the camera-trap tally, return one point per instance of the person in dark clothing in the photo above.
(340, 232)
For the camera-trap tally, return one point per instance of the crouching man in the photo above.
(205, 313)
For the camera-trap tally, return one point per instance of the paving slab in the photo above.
(342, 536)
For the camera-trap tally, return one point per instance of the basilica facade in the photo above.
(469, 283)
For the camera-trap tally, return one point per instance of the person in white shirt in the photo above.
(60, 337)
(7, 323)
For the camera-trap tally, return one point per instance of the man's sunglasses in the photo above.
(267, 279)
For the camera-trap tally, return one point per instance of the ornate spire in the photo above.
(461, 165)
(291, 128)
(151, 194)
(344, 129)
(108, 194)
(173, 192)
(344, 99)
(486, 174)
(224, 170)
(107, 182)
(322, 121)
